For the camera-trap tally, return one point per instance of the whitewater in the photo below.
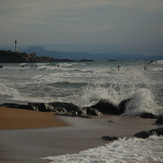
(131, 150)
(84, 84)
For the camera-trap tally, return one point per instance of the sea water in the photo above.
(133, 150)
(84, 84)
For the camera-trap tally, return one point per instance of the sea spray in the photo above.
(142, 101)
(115, 88)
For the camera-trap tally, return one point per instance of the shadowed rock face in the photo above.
(159, 120)
(123, 105)
(100, 108)
(106, 107)
(146, 134)
(148, 115)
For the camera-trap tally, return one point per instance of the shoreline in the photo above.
(72, 135)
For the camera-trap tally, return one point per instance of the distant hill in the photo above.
(58, 54)
(90, 56)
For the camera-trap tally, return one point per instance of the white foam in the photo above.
(133, 150)
(158, 62)
(7, 91)
(83, 84)
(142, 101)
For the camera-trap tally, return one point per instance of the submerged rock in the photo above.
(143, 134)
(108, 138)
(148, 115)
(159, 120)
(54, 106)
(146, 134)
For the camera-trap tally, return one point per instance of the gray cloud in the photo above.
(90, 25)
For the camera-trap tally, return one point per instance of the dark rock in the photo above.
(25, 107)
(95, 112)
(54, 106)
(89, 111)
(123, 104)
(159, 120)
(68, 106)
(108, 138)
(146, 134)
(148, 115)
(142, 134)
(10, 105)
(44, 107)
(158, 131)
(110, 121)
(35, 106)
(17, 106)
(106, 107)
(20, 57)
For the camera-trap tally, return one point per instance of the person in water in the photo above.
(118, 68)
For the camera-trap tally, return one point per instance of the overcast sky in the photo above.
(134, 26)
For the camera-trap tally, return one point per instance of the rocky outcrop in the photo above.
(146, 134)
(17, 106)
(19, 57)
(45, 107)
(86, 111)
(100, 108)
(123, 105)
(54, 106)
(159, 120)
(148, 115)
(106, 107)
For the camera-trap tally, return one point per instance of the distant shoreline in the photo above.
(19, 57)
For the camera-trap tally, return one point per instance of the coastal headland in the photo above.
(22, 57)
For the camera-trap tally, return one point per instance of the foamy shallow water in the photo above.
(84, 84)
(132, 150)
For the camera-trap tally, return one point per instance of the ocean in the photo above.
(84, 84)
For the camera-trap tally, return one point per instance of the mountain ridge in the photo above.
(90, 56)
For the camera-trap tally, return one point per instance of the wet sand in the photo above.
(72, 134)
(25, 119)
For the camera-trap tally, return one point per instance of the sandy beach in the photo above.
(25, 119)
(26, 136)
